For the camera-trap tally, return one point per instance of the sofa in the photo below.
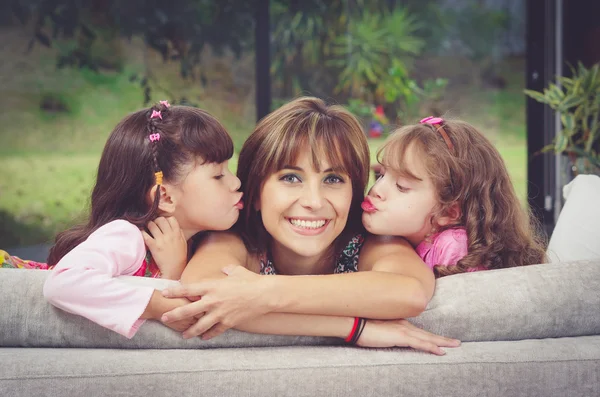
(528, 331)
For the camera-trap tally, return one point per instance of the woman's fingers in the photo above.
(424, 345)
(201, 326)
(190, 310)
(183, 291)
(214, 331)
(426, 335)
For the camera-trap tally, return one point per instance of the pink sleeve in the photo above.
(449, 247)
(84, 281)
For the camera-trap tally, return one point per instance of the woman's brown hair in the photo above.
(470, 172)
(126, 173)
(329, 132)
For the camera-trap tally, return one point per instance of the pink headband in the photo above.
(437, 123)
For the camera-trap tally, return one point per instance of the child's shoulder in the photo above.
(118, 226)
(451, 236)
(116, 234)
(444, 248)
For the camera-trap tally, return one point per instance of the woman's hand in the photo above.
(158, 305)
(222, 303)
(401, 333)
(168, 246)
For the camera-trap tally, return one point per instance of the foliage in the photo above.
(374, 43)
(577, 99)
(360, 108)
(178, 30)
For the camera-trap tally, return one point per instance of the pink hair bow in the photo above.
(165, 104)
(154, 137)
(432, 120)
(155, 114)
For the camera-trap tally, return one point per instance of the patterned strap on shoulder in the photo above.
(346, 263)
(348, 260)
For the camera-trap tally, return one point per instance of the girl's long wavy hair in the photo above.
(329, 132)
(501, 233)
(126, 173)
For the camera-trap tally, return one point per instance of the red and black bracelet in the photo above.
(357, 329)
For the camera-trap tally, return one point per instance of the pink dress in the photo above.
(445, 248)
(85, 282)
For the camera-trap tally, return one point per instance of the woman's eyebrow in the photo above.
(292, 167)
(296, 168)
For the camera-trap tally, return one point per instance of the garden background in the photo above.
(72, 69)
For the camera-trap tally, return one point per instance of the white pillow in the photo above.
(576, 235)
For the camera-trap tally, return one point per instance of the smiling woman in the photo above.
(304, 170)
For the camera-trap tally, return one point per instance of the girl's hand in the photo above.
(401, 333)
(158, 305)
(168, 246)
(225, 302)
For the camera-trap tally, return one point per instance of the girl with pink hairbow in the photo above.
(444, 187)
(164, 169)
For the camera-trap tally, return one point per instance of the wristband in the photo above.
(353, 331)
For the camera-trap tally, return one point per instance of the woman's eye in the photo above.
(333, 179)
(218, 177)
(290, 178)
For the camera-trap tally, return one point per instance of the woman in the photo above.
(304, 171)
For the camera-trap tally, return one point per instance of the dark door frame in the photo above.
(544, 61)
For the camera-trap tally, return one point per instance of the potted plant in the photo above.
(577, 99)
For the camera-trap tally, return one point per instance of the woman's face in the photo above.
(303, 209)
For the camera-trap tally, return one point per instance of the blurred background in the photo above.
(72, 69)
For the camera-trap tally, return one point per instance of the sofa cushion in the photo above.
(539, 301)
(548, 367)
(576, 235)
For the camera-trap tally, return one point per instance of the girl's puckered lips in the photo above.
(368, 206)
(240, 204)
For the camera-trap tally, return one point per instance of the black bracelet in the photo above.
(358, 331)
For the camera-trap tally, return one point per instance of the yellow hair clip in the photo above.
(159, 177)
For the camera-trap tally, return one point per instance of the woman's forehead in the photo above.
(320, 158)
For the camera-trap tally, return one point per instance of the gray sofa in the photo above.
(531, 331)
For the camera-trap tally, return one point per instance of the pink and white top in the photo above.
(85, 282)
(445, 248)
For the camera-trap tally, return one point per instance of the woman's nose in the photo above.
(312, 197)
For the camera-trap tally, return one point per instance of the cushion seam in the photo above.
(29, 376)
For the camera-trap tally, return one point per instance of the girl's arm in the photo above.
(84, 281)
(393, 283)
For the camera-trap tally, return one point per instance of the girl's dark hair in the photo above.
(127, 168)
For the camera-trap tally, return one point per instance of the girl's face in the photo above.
(303, 209)
(207, 199)
(399, 205)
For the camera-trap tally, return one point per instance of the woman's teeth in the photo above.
(308, 224)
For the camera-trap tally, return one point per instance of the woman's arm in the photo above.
(391, 333)
(393, 283)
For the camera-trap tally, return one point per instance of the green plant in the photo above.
(577, 99)
(398, 88)
(374, 42)
(360, 108)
